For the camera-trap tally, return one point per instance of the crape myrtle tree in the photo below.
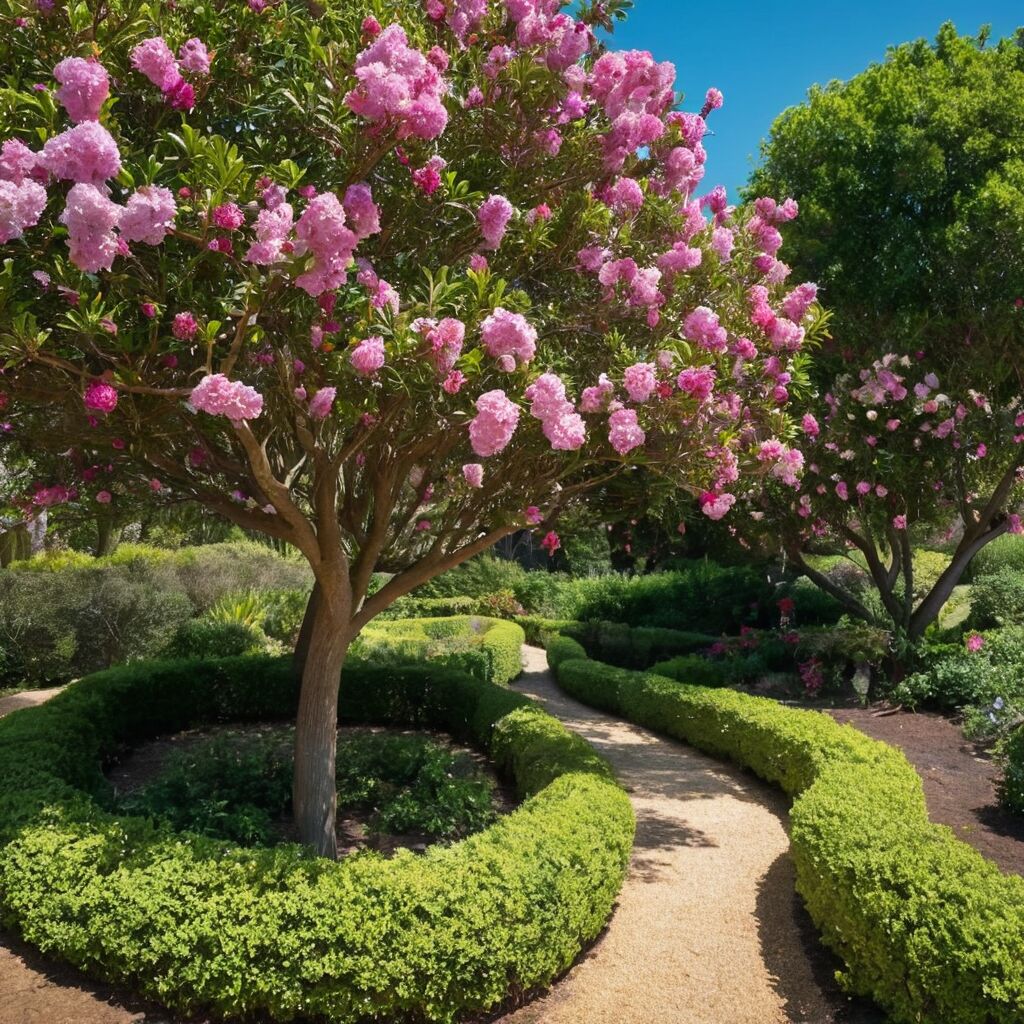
(892, 454)
(911, 189)
(386, 282)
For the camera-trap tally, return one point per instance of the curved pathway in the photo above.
(708, 929)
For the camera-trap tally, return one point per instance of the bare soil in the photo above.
(959, 778)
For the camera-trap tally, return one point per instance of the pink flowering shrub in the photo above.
(454, 264)
(894, 453)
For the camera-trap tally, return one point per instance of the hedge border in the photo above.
(925, 925)
(200, 925)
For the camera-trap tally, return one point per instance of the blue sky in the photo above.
(764, 56)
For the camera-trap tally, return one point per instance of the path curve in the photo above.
(708, 928)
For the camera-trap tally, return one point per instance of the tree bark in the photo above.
(107, 535)
(314, 788)
(302, 642)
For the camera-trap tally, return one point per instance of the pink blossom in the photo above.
(680, 259)
(478, 263)
(697, 381)
(473, 472)
(595, 398)
(881, 490)
(639, 381)
(716, 506)
(974, 642)
(368, 356)
(195, 57)
(592, 258)
(398, 84)
(104, 497)
(361, 210)
(625, 196)
(228, 216)
(91, 219)
(702, 327)
(562, 425)
(86, 154)
(100, 397)
(843, 491)
(218, 396)
(810, 425)
(148, 216)
(272, 230)
(322, 402)
(1014, 523)
(453, 382)
(863, 487)
(446, 339)
(493, 217)
(84, 86)
(17, 161)
(533, 515)
(492, 428)
(712, 101)
(321, 230)
(428, 177)
(155, 59)
(465, 17)
(899, 522)
(21, 206)
(624, 432)
(508, 334)
(185, 326)
(798, 301)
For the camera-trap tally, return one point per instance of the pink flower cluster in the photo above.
(86, 154)
(493, 217)
(84, 86)
(100, 397)
(217, 395)
(148, 215)
(445, 339)
(155, 59)
(494, 424)
(465, 17)
(508, 337)
(624, 432)
(91, 219)
(321, 231)
(22, 200)
(397, 84)
(562, 425)
(273, 226)
(702, 326)
(322, 402)
(635, 92)
(368, 356)
(697, 381)
(539, 23)
(596, 398)
(640, 381)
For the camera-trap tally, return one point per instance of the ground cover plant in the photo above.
(236, 785)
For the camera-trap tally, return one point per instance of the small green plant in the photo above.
(237, 787)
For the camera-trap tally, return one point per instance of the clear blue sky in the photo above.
(764, 56)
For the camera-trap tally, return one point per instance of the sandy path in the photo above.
(708, 929)
(26, 699)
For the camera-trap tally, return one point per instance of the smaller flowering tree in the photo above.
(894, 453)
(386, 293)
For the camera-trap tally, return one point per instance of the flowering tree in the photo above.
(385, 292)
(890, 454)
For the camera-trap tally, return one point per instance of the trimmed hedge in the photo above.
(927, 927)
(1011, 786)
(203, 926)
(486, 648)
(634, 646)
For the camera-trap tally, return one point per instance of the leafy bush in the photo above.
(1004, 553)
(200, 925)
(238, 787)
(201, 638)
(634, 647)
(997, 599)
(64, 614)
(488, 649)
(694, 669)
(926, 926)
(1011, 757)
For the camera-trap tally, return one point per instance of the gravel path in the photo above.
(708, 929)
(26, 699)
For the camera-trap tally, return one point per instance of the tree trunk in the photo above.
(107, 535)
(306, 632)
(314, 790)
(15, 545)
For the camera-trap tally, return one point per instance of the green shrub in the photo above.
(634, 647)
(926, 926)
(203, 926)
(694, 669)
(488, 649)
(562, 648)
(997, 599)
(201, 638)
(1011, 758)
(536, 627)
(1004, 553)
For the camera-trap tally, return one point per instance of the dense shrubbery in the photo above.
(1011, 756)
(997, 599)
(197, 924)
(634, 646)
(926, 926)
(63, 615)
(487, 649)
(238, 786)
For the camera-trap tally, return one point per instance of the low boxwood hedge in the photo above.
(487, 648)
(204, 926)
(926, 926)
